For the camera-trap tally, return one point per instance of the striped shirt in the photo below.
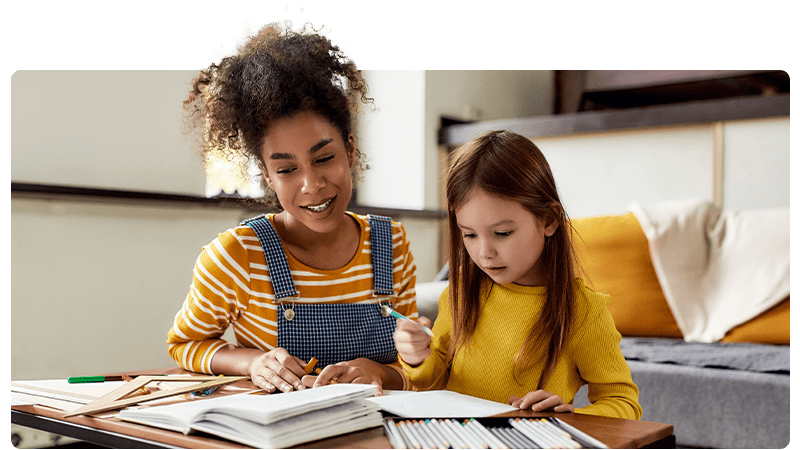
(231, 286)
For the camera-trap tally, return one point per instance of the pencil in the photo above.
(408, 431)
(534, 437)
(143, 389)
(436, 431)
(579, 434)
(394, 435)
(488, 436)
(386, 311)
(452, 437)
(310, 366)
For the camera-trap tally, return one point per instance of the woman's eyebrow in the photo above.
(314, 148)
(320, 144)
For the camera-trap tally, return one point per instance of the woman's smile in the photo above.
(321, 207)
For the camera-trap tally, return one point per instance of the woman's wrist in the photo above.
(236, 361)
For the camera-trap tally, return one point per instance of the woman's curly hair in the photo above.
(275, 74)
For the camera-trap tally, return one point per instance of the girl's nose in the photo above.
(486, 249)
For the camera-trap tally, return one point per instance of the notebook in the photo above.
(269, 421)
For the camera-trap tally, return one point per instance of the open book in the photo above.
(269, 421)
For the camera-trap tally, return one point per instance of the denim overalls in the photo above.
(332, 332)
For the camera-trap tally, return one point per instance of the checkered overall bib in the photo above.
(333, 332)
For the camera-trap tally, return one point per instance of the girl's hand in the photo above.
(411, 342)
(277, 369)
(360, 371)
(541, 400)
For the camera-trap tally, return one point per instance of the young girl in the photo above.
(309, 281)
(515, 324)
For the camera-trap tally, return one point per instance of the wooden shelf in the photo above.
(706, 111)
(33, 190)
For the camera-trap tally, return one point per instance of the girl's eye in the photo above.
(468, 235)
(285, 171)
(503, 233)
(325, 159)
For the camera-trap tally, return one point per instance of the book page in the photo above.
(262, 409)
(340, 419)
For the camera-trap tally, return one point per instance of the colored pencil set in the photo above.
(542, 432)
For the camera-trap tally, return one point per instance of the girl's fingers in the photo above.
(566, 407)
(548, 403)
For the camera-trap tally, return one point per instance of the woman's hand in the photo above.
(361, 371)
(277, 369)
(541, 400)
(411, 342)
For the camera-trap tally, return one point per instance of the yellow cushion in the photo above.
(770, 327)
(615, 258)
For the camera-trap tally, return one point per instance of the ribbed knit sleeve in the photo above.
(424, 376)
(601, 364)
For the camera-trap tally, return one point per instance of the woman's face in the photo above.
(308, 164)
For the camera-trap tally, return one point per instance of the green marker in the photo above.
(94, 379)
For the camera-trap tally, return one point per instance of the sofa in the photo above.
(720, 386)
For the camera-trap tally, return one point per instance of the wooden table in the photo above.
(111, 432)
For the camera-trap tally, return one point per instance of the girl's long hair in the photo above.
(510, 166)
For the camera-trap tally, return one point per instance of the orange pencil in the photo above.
(310, 366)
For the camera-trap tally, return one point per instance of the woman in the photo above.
(309, 280)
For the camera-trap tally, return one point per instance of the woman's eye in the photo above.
(285, 171)
(325, 159)
(468, 235)
(503, 233)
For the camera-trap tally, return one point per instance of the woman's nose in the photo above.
(313, 181)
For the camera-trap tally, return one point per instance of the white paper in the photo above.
(60, 394)
(439, 404)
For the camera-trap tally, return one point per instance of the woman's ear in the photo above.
(350, 146)
(264, 174)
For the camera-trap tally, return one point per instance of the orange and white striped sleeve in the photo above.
(220, 283)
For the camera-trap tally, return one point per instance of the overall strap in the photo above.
(277, 264)
(382, 255)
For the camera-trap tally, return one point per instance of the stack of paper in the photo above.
(270, 421)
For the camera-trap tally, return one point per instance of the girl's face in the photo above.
(504, 239)
(308, 165)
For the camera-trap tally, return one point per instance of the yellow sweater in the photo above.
(232, 287)
(484, 367)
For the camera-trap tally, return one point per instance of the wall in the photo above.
(106, 129)
(95, 285)
(743, 166)
(756, 169)
(478, 95)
